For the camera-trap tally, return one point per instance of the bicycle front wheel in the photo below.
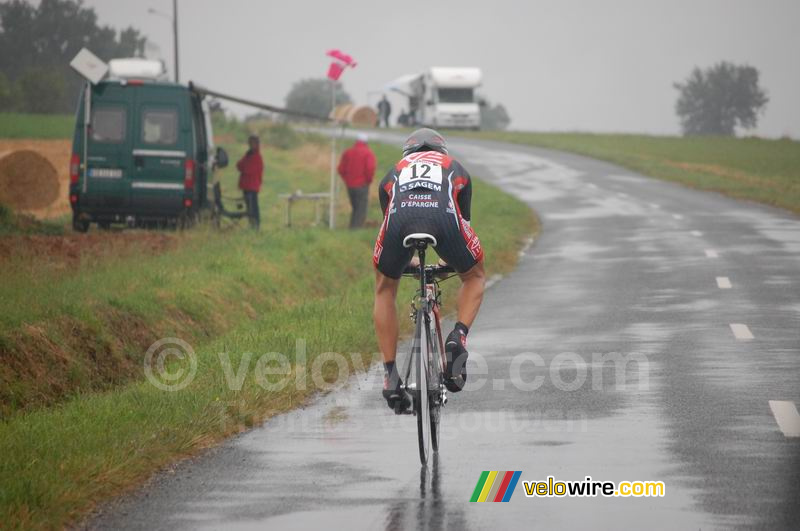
(421, 396)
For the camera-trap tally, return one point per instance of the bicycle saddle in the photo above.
(413, 240)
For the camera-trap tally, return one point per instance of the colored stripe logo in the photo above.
(494, 486)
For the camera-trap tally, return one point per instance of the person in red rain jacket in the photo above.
(251, 172)
(357, 168)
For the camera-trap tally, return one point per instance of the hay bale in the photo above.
(27, 180)
(339, 113)
(358, 115)
(362, 116)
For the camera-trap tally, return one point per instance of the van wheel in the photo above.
(79, 225)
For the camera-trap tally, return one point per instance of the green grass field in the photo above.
(234, 292)
(767, 171)
(20, 125)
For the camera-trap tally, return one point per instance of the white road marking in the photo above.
(741, 332)
(697, 233)
(787, 417)
(677, 216)
(622, 194)
(593, 186)
(526, 246)
(493, 280)
(723, 283)
(655, 205)
(711, 253)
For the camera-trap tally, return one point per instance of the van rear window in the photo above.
(159, 126)
(108, 124)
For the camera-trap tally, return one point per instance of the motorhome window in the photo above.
(455, 95)
(108, 124)
(160, 126)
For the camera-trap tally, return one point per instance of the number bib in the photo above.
(420, 175)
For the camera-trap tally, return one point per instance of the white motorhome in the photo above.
(442, 97)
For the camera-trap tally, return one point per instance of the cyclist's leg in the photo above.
(386, 328)
(460, 247)
(389, 258)
(470, 295)
(385, 315)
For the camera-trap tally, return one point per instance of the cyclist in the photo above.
(427, 191)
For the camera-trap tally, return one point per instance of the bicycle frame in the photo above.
(428, 352)
(431, 295)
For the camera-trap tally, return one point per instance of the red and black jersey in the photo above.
(432, 193)
(428, 180)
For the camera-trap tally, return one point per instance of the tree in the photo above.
(8, 94)
(41, 90)
(313, 96)
(718, 99)
(493, 117)
(49, 35)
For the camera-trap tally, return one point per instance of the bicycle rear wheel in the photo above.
(435, 381)
(421, 395)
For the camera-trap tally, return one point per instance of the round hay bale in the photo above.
(27, 180)
(362, 116)
(339, 112)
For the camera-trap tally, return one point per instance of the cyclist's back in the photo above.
(427, 191)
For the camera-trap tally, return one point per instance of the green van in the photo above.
(149, 158)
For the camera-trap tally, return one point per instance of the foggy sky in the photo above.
(556, 65)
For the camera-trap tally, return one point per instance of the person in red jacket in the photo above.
(251, 172)
(357, 168)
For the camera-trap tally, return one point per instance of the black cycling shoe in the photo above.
(456, 352)
(396, 397)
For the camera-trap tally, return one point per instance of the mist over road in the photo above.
(700, 293)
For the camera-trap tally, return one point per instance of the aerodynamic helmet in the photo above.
(424, 140)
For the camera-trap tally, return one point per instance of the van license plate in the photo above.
(107, 173)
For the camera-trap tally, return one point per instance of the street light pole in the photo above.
(174, 19)
(175, 37)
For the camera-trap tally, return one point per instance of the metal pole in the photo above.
(251, 103)
(331, 205)
(87, 117)
(175, 36)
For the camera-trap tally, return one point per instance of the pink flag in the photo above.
(341, 56)
(335, 70)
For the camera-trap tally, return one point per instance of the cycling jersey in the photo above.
(426, 192)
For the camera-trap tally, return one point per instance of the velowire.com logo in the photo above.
(494, 486)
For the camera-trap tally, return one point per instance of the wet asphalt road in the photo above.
(625, 264)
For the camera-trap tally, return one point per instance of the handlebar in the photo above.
(430, 270)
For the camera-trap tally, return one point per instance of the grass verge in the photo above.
(25, 125)
(767, 171)
(12, 223)
(234, 292)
